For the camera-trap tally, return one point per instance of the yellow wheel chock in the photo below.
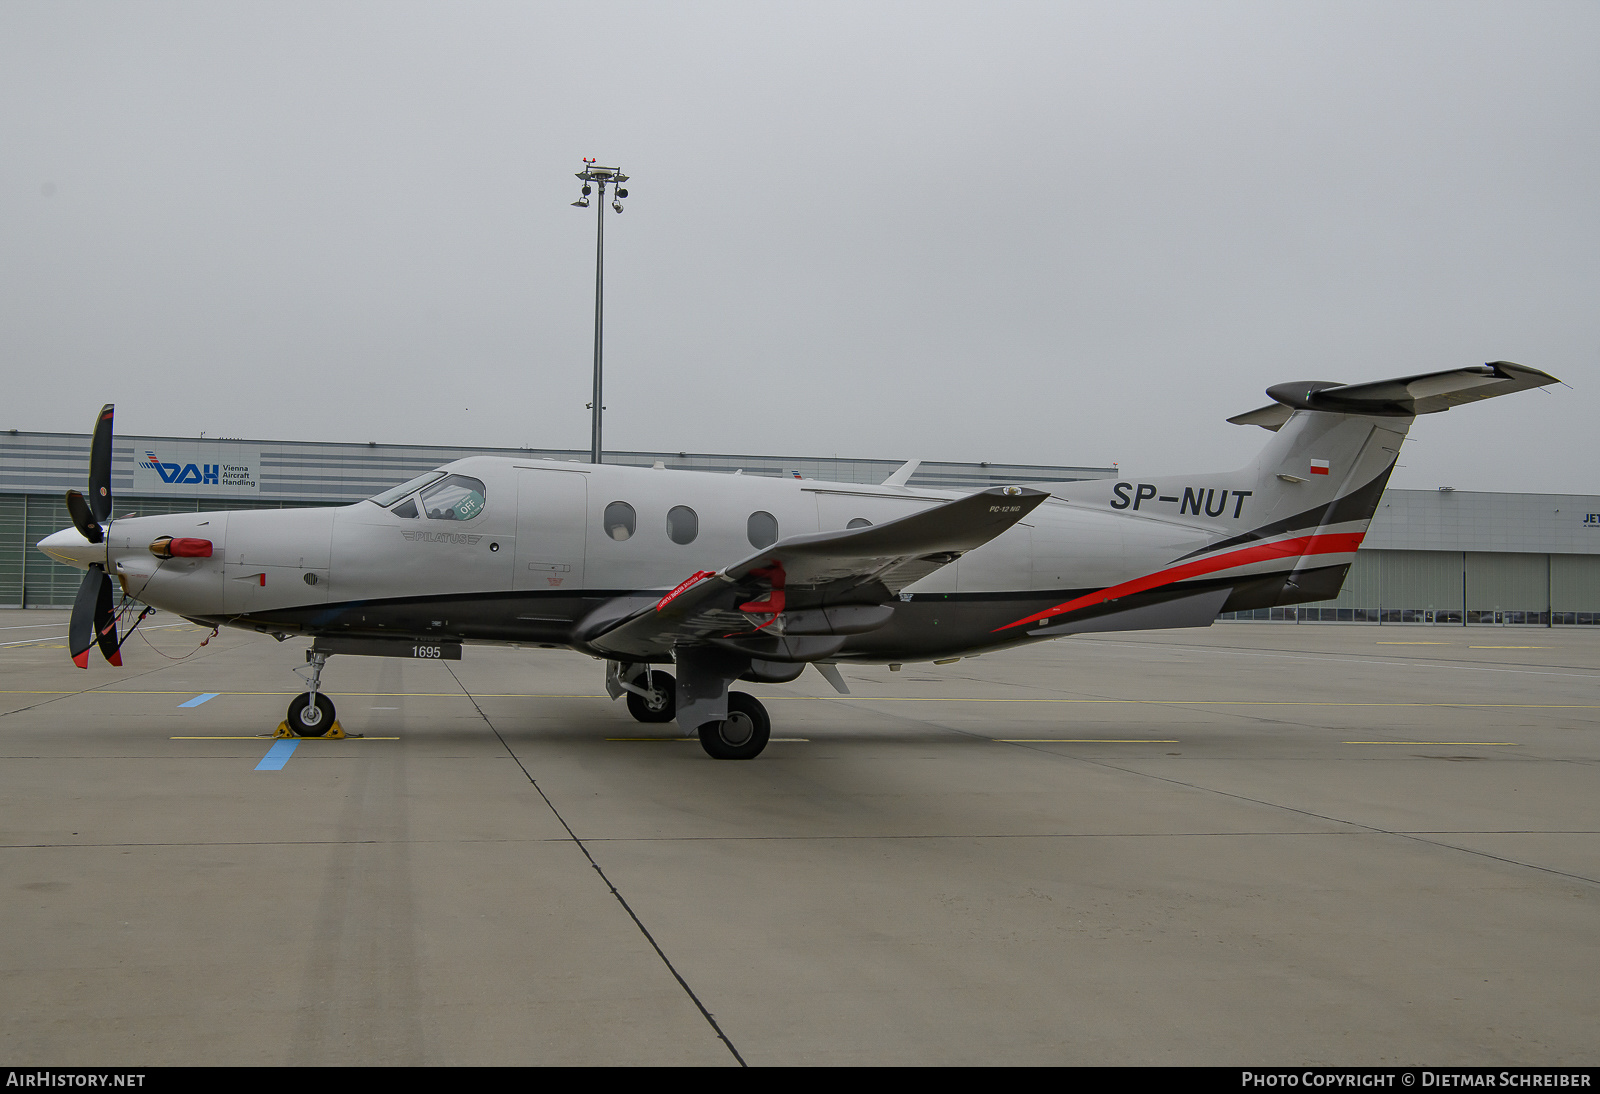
(335, 733)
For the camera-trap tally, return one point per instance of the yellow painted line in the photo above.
(770, 740)
(1199, 702)
(1461, 744)
(1078, 741)
(347, 694)
(269, 737)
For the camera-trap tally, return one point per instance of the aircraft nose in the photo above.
(69, 546)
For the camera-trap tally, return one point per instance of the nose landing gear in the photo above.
(310, 716)
(311, 713)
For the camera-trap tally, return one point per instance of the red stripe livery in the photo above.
(683, 586)
(1343, 543)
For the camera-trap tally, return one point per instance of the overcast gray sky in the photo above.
(1053, 233)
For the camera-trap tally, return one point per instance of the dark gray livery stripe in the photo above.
(1359, 504)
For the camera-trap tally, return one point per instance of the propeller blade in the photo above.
(105, 623)
(100, 466)
(83, 519)
(81, 629)
(93, 620)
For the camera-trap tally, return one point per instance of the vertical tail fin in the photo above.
(1284, 529)
(1323, 474)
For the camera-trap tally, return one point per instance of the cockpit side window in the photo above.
(456, 497)
(406, 509)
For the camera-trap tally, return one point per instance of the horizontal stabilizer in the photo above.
(1403, 397)
(1268, 417)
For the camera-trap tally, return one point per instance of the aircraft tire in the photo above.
(640, 707)
(305, 721)
(742, 735)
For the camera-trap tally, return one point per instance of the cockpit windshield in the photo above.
(395, 493)
(459, 497)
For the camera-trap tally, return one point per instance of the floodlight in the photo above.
(590, 175)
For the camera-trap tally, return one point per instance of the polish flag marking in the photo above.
(1319, 467)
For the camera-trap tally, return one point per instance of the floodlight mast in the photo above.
(592, 175)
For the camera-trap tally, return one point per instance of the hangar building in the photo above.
(1445, 558)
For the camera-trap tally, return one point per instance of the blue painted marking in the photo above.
(198, 699)
(277, 756)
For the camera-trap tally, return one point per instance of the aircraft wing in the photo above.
(797, 598)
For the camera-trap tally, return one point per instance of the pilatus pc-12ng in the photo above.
(684, 582)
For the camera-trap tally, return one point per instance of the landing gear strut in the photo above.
(652, 694)
(653, 697)
(311, 713)
(742, 734)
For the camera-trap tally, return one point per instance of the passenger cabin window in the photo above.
(409, 509)
(762, 528)
(620, 521)
(682, 524)
(456, 497)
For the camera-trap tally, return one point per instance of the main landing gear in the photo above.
(740, 736)
(653, 699)
(311, 713)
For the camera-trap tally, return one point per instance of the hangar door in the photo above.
(1507, 582)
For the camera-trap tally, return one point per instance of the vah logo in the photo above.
(231, 475)
(187, 473)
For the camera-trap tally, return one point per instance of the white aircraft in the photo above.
(733, 577)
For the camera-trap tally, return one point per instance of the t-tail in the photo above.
(1324, 473)
(1284, 529)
